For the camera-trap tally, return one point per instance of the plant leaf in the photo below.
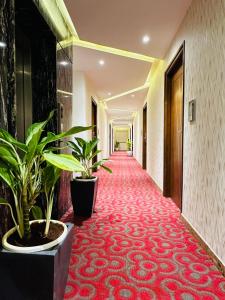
(9, 138)
(95, 153)
(52, 138)
(37, 212)
(64, 161)
(8, 156)
(7, 178)
(50, 176)
(107, 169)
(33, 136)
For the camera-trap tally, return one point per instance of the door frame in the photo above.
(94, 111)
(177, 62)
(144, 166)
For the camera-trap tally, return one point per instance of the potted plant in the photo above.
(117, 145)
(29, 169)
(84, 187)
(129, 147)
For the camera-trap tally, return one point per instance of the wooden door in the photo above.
(94, 129)
(176, 163)
(144, 153)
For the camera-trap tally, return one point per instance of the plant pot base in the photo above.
(83, 193)
(37, 276)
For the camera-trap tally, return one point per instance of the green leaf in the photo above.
(93, 144)
(9, 138)
(81, 142)
(52, 138)
(3, 201)
(37, 212)
(50, 176)
(64, 161)
(107, 169)
(95, 153)
(33, 136)
(8, 156)
(7, 178)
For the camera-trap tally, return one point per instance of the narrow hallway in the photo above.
(135, 246)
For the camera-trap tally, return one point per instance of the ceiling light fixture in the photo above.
(101, 62)
(145, 39)
(109, 93)
(2, 44)
(132, 95)
(63, 63)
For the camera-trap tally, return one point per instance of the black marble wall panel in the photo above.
(7, 89)
(25, 15)
(44, 80)
(64, 98)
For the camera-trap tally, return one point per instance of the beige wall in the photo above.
(203, 30)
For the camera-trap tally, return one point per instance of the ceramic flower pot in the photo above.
(6, 244)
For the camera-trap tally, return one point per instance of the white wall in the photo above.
(204, 143)
(83, 92)
(81, 107)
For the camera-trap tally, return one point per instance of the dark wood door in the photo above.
(94, 123)
(176, 136)
(110, 139)
(144, 153)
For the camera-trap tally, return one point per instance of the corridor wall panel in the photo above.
(204, 143)
(7, 88)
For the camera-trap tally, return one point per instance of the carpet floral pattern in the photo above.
(136, 247)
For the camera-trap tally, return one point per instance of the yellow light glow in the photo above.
(85, 44)
(62, 7)
(118, 109)
(64, 92)
(146, 85)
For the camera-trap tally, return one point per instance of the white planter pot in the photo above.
(129, 153)
(31, 249)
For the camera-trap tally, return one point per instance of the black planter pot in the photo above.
(83, 193)
(36, 276)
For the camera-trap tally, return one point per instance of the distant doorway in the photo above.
(144, 138)
(173, 129)
(94, 124)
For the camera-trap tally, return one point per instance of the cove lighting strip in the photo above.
(145, 86)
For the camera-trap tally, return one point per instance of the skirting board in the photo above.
(203, 244)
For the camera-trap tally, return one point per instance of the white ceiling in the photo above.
(118, 74)
(121, 24)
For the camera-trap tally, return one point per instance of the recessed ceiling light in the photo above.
(145, 39)
(109, 94)
(2, 44)
(132, 95)
(101, 62)
(63, 63)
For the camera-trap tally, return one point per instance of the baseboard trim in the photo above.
(204, 245)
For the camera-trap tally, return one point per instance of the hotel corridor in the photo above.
(135, 246)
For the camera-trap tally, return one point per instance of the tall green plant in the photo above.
(129, 144)
(32, 167)
(84, 152)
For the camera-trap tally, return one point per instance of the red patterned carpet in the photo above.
(135, 246)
